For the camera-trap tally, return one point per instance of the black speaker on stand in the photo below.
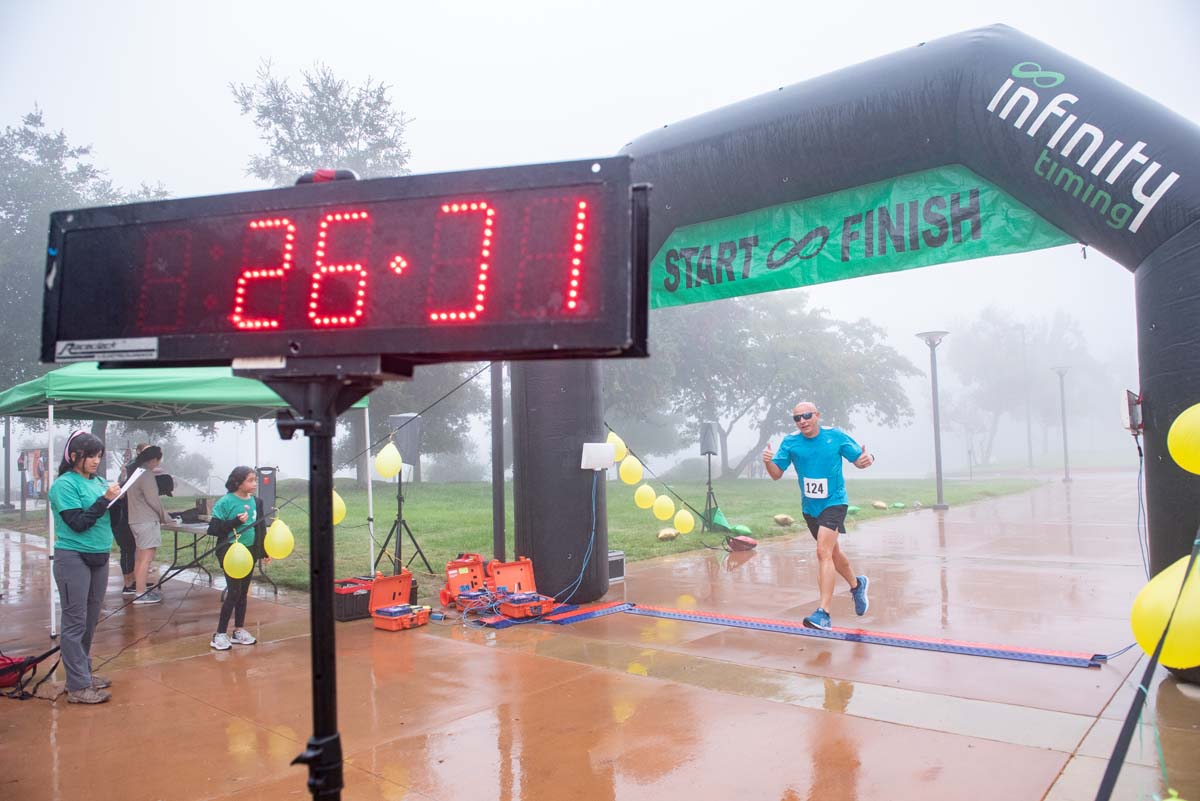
(708, 448)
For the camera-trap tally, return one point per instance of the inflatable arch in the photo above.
(981, 143)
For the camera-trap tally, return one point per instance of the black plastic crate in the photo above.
(352, 598)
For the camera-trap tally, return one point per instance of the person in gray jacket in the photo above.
(146, 516)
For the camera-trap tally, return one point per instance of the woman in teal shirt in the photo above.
(83, 538)
(237, 517)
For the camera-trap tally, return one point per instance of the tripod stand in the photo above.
(710, 500)
(401, 523)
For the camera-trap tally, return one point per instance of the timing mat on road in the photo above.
(1046, 657)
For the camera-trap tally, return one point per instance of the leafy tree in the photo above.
(40, 172)
(986, 358)
(195, 467)
(443, 427)
(960, 414)
(748, 361)
(326, 123)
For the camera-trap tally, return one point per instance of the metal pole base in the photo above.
(324, 759)
(940, 507)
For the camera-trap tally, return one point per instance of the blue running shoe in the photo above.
(818, 620)
(861, 602)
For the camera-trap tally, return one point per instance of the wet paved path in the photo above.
(627, 707)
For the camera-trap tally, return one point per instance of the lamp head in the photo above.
(933, 338)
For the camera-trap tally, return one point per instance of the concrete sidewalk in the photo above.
(627, 707)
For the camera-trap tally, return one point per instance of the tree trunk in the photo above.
(754, 453)
(723, 435)
(991, 438)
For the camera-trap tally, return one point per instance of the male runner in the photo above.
(816, 453)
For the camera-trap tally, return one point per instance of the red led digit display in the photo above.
(167, 261)
(353, 275)
(240, 318)
(523, 262)
(473, 269)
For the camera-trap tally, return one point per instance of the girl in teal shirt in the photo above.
(237, 517)
(83, 538)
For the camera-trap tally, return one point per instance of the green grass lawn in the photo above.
(451, 518)
(448, 519)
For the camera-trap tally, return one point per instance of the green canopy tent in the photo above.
(186, 394)
(190, 394)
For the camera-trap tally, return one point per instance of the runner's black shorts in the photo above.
(831, 517)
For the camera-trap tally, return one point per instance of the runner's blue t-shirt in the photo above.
(229, 507)
(818, 463)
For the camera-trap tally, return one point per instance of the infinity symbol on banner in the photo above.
(797, 248)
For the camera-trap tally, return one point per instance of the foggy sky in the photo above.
(492, 84)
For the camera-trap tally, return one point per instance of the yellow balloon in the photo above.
(643, 498)
(1152, 607)
(279, 541)
(619, 449)
(339, 508)
(630, 470)
(1183, 440)
(684, 522)
(238, 562)
(664, 507)
(388, 462)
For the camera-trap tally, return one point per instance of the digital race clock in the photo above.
(522, 262)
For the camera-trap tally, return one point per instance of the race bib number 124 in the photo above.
(816, 488)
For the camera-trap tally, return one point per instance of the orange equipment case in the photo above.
(389, 592)
(530, 604)
(515, 577)
(467, 569)
(521, 598)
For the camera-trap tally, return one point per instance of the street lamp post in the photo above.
(1062, 395)
(933, 339)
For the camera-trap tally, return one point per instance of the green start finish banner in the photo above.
(932, 217)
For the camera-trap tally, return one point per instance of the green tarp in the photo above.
(85, 392)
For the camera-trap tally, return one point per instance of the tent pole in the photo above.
(370, 496)
(257, 460)
(50, 466)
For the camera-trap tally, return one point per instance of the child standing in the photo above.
(83, 539)
(237, 517)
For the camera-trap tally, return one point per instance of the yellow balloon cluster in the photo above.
(279, 541)
(388, 462)
(644, 496)
(1152, 607)
(620, 451)
(237, 562)
(339, 508)
(630, 470)
(1183, 440)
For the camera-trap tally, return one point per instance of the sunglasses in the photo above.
(803, 416)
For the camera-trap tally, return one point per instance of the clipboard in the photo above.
(134, 476)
